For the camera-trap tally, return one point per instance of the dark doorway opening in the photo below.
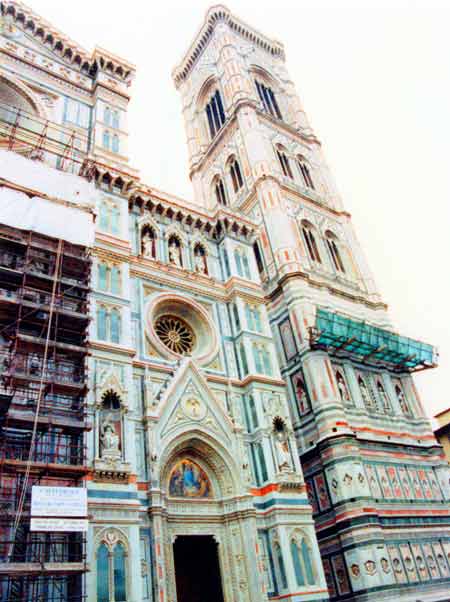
(197, 569)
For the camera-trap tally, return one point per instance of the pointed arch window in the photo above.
(237, 321)
(115, 326)
(253, 414)
(333, 247)
(102, 328)
(246, 266)
(267, 363)
(258, 257)
(311, 243)
(109, 218)
(120, 594)
(226, 263)
(215, 114)
(268, 99)
(257, 356)
(253, 318)
(102, 276)
(238, 261)
(115, 144)
(103, 573)
(115, 219)
(106, 139)
(115, 119)
(115, 280)
(284, 162)
(111, 573)
(280, 562)
(261, 462)
(298, 568)
(107, 116)
(236, 174)
(249, 316)
(105, 210)
(306, 555)
(305, 172)
(244, 363)
(219, 191)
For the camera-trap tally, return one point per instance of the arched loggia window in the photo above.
(219, 191)
(305, 172)
(333, 247)
(311, 244)
(284, 162)
(215, 114)
(268, 99)
(236, 174)
(402, 400)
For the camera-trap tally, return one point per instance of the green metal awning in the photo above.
(345, 337)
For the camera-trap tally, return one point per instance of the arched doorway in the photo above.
(197, 569)
(205, 525)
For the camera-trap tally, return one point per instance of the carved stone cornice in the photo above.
(66, 49)
(216, 15)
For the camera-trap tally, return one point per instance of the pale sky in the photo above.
(373, 76)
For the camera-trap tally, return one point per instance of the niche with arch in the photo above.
(200, 259)
(148, 242)
(110, 421)
(175, 250)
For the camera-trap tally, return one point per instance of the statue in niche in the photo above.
(382, 392)
(401, 400)
(343, 391)
(110, 431)
(175, 252)
(110, 440)
(282, 444)
(365, 393)
(200, 264)
(149, 244)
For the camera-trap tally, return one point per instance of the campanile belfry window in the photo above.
(268, 99)
(215, 114)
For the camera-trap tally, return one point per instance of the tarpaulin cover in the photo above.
(47, 217)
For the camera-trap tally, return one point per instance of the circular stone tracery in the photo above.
(175, 334)
(178, 326)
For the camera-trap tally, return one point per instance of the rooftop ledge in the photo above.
(343, 337)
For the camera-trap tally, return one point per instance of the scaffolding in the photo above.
(44, 288)
(371, 345)
(40, 139)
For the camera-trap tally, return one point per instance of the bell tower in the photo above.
(347, 372)
(251, 147)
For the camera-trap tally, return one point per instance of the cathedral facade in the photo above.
(253, 429)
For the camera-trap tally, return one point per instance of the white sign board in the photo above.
(58, 501)
(58, 524)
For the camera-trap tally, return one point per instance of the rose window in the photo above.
(176, 334)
